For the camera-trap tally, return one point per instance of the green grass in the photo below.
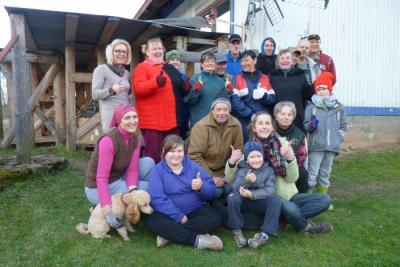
(38, 216)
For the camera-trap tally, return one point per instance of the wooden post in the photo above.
(181, 44)
(23, 90)
(10, 92)
(71, 26)
(59, 102)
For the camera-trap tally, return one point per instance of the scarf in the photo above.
(272, 147)
(118, 69)
(325, 103)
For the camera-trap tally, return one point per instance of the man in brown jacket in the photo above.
(213, 138)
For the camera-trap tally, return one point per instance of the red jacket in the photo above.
(326, 64)
(155, 105)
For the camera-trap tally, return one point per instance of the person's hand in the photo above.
(218, 181)
(258, 93)
(198, 84)
(161, 80)
(118, 87)
(313, 124)
(184, 220)
(250, 177)
(188, 86)
(287, 151)
(271, 91)
(197, 183)
(245, 192)
(114, 221)
(229, 86)
(236, 155)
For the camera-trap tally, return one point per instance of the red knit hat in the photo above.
(325, 78)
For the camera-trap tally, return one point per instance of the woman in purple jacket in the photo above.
(179, 190)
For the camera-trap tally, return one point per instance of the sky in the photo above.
(122, 8)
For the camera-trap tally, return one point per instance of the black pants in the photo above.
(269, 206)
(203, 220)
(302, 183)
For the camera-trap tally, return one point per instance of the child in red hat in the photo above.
(325, 122)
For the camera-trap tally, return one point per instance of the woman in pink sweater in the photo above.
(115, 166)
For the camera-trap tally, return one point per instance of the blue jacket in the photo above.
(233, 66)
(172, 194)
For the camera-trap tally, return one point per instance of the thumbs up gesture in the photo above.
(287, 151)
(236, 155)
(199, 84)
(250, 177)
(161, 80)
(197, 183)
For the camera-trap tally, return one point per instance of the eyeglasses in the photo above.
(119, 51)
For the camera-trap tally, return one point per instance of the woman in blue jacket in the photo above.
(179, 190)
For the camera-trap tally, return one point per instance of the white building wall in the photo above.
(362, 36)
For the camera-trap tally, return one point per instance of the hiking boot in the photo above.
(317, 228)
(161, 242)
(241, 241)
(209, 242)
(259, 239)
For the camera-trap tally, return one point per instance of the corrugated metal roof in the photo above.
(48, 30)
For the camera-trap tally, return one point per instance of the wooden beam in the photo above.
(88, 125)
(82, 77)
(30, 41)
(71, 27)
(59, 102)
(39, 58)
(150, 32)
(181, 44)
(8, 47)
(108, 30)
(38, 123)
(197, 41)
(70, 100)
(49, 124)
(10, 91)
(222, 46)
(23, 90)
(142, 9)
(187, 56)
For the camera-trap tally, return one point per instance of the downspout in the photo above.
(232, 17)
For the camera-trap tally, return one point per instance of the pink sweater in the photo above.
(106, 157)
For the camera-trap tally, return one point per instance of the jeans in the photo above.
(146, 164)
(304, 206)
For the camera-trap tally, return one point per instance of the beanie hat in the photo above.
(172, 54)
(325, 78)
(251, 146)
(221, 100)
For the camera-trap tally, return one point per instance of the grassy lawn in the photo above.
(39, 214)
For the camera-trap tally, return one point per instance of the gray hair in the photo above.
(280, 105)
(110, 48)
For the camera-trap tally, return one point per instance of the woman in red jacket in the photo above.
(159, 90)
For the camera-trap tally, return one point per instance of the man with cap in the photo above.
(325, 62)
(220, 69)
(213, 138)
(232, 57)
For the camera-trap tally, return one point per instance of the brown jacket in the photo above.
(210, 143)
(121, 161)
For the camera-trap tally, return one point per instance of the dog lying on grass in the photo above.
(126, 206)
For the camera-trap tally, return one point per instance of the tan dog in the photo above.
(126, 206)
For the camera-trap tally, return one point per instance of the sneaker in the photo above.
(259, 239)
(161, 242)
(241, 241)
(209, 242)
(317, 228)
(330, 208)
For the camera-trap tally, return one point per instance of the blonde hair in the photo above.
(150, 42)
(110, 49)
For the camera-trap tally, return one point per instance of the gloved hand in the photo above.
(161, 80)
(258, 93)
(197, 86)
(187, 85)
(271, 91)
(313, 123)
(114, 221)
(229, 86)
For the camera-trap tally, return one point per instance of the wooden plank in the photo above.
(82, 77)
(198, 41)
(142, 9)
(70, 100)
(151, 31)
(30, 41)
(33, 100)
(59, 102)
(222, 46)
(23, 90)
(4, 52)
(88, 125)
(38, 123)
(71, 27)
(39, 58)
(10, 91)
(181, 45)
(49, 124)
(101, 54)
(108, 30)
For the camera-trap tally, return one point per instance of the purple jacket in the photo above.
(172, 194)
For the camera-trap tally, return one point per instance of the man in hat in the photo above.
(213, 139)
(232, 57)
(325, 62)
(220, 69)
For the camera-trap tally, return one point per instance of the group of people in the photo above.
(249, 134)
